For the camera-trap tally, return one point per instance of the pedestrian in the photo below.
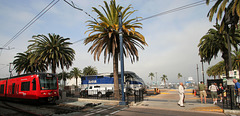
(181, 95)
(213, 88)
(237, 89)
(220, 90)
(202, 89)
(184, 94)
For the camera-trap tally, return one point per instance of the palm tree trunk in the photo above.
(115, 76)
(53, 67)
(226, 62)
(76, 82)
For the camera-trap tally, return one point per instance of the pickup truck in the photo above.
(99, 91)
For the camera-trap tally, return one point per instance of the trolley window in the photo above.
(48, 81)
(13, 87)
(34, 84)
(25, 86)
(2, 89)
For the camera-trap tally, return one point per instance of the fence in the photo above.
(133, 96)
(229, 99)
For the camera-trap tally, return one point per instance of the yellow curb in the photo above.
(172, 90)
(211, 109)
(165, 93)
(188, 90)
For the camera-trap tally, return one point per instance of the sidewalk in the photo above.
(168, 100)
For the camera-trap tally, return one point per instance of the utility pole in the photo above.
(197, 77)
(203, 72)
(10, 69)
(156, 80)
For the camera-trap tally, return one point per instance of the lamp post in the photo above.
(121, 58)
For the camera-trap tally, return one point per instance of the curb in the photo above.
(231, 111)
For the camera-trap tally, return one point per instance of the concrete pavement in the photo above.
(168, 99)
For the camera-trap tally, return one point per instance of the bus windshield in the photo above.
(48, 81)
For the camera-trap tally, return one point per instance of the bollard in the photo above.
(195, 92)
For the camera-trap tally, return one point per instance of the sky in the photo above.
(172, 38)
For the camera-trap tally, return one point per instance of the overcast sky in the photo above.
(172, 38)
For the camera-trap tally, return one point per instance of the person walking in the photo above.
(213, 88)
(181, 95)
(220, 89)
(202, 89)
(237, 89)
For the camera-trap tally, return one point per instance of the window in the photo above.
(25, 86)
(13, 87)
(34, 84)
(48, 82)
(2, 89)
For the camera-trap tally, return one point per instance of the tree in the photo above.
(104, 36)
(214, 42)
(76, 73)
(216, 70)
(53, 50)
(179, 76)
(236, 60)
(151, 75)
(22, 63)
(164, 79)
(232, 12)
(63, 76)
(89, 70)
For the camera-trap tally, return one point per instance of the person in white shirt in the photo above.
(181, 94)
(213, 88)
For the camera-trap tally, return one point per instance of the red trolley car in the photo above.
(41, 87)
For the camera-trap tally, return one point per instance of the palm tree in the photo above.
(236, 60)
(89, 70)
(164, 79)
(22, 63)
(76, 73)
(104, 36)
(53, 50)
(179, 76)
(151, 75)
(214, 42)
(63, 76)
(216, 70)
(232, 12)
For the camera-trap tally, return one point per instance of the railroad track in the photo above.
(16, 109)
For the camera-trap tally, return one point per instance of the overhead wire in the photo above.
(47, 8)
(176, 9)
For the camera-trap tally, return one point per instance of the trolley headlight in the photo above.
(55, 92)
(44, 93)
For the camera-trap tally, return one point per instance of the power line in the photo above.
(176, 9)
(49, 6)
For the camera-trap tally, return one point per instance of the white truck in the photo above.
(99, 91)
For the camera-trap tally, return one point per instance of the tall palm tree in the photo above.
(53, 50)
(76, 73)
(22, 63)
(231, 10)
(164, 79)
(151, 75)
(179, 76)
(89, 70)
(104, 36)
(214, 42)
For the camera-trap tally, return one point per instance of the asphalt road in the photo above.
(160, 112)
